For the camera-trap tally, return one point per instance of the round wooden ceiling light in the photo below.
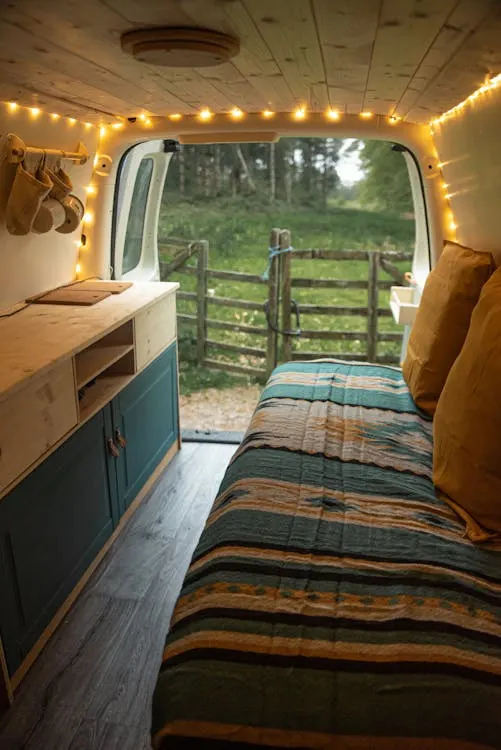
(180, 47)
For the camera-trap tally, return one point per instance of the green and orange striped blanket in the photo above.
(333, 601)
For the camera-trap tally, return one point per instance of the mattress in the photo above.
(333, 600)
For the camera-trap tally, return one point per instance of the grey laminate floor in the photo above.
(91, 687)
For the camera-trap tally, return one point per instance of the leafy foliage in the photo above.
(386, 185)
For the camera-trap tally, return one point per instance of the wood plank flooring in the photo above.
(91, 687)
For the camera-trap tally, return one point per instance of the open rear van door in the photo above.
(137, 206)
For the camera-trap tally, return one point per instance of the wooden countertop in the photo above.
(39, 336)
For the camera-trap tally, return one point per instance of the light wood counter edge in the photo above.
(71, 352)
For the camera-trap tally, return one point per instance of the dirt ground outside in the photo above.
(219, 409)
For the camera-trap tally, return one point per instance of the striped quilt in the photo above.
(333, 601)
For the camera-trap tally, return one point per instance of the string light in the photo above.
(78, 268)
(489, 85)
(366, 115)
(299, 113)
(117, 125)
(236, 113)
(88, 217)
(142, 117)
(37, 111)
(102, 131)
(393, 119)
(91, 189)
(205, 115)
(175, 116)
(332, 114)
(268, 114)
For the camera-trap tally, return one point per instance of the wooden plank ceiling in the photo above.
(414, 58)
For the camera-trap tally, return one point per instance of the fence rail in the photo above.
(280, 283)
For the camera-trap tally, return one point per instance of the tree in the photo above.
(386, 185)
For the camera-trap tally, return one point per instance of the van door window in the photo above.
(137, 215)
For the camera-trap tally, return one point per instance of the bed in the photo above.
(333, 600)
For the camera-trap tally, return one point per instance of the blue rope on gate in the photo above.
(273, 253)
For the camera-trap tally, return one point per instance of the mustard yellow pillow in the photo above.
(467, 424)
(450, 293)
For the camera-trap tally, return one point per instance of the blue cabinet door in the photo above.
(52, 525)
(145, 416)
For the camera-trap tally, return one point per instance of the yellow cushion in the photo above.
(467, 424)
(451, 292)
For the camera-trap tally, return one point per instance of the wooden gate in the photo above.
(287, 320)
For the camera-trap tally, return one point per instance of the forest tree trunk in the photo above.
(181, 172)
(246, 170)
(273, 179)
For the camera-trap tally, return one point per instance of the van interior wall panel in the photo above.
(33, 263)
(416, 59)
(469, 147)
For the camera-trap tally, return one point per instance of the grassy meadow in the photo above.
(238, 234)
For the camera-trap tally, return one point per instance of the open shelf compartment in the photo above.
(103, 369)
(98, 357)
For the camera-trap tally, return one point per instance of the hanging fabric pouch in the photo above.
(52, 214)
(26, 196)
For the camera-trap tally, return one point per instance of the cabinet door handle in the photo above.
(112, 448)
(122, 442)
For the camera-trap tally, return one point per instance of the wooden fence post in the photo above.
(372, 306)
(285, 242)
(203, 262)
(271, 348)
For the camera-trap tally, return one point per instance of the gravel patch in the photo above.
(227, 409)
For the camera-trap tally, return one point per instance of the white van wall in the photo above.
(469, 146)
(35, 263)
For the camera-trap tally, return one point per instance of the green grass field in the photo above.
(238, 235)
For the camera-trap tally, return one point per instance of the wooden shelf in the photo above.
(92, 362)
(100, 393)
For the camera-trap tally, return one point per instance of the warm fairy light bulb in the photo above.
(205, 114)
(268, 113)
(88, 125)
(88, 217)
(91, 189)
(366, 115)
(78, 268)
(117, 125)
(35, 111)
(13, 106)
(236, 113)
(142, 117)
(102, 131)
(393, 119)
(71, 120)
(299, 113)
(54, 116)
(332, 114)
(175, 116)
(148, 122)
(96, 161)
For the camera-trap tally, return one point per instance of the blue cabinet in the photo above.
(53, 524)
(145, 419)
